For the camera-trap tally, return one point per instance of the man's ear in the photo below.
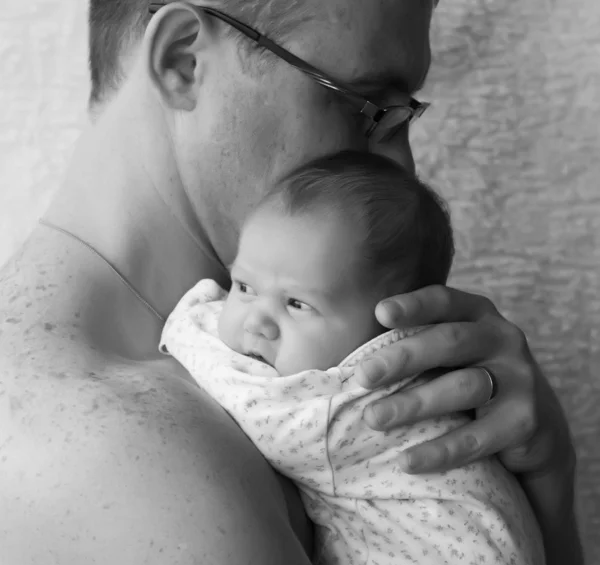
(173, 46)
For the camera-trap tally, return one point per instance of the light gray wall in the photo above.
(43, 89)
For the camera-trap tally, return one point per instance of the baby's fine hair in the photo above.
(408, 242)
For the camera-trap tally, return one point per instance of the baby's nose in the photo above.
(260, 324)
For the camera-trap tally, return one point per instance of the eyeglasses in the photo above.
(385, 122)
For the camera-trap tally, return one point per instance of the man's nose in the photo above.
(260, 324)
(397, 149)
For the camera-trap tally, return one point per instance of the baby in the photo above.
(278, 352)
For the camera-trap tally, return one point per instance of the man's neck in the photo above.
(124, 198)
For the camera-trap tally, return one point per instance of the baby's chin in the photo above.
(287, 369)
(284, 367)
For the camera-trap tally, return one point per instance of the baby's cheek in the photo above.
(227, 328)
(317, 354)
(294, 356)
(335, 347)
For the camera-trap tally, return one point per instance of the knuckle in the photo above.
(515, 337)
(400, 357)
(526, 423)
(415, 304)
(518, 375)
(523, 372)
(471, 446)
(442, 458)
(441, 296)
(504, 331)
(393, 359)
(411, 406)
(488, 307)
(451, 334)
(516, 353)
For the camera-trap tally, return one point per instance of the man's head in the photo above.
(116, 26)
(234, 118)
(326, 245)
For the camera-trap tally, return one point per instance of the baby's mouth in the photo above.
(258, 357)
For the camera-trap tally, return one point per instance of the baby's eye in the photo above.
(298, 305)
(244, 288)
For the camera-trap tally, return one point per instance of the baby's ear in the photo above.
(175, 49)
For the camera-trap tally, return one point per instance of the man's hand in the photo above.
(523, 423)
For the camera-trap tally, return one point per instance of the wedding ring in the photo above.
(493, 383)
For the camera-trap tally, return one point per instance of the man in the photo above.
(109, 453)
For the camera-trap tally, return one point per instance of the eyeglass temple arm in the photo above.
(367, 107)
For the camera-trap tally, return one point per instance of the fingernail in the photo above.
(412, 462)
(430, 459)
(392, 310)
(373, 370)
(419, 461)
(383, 413)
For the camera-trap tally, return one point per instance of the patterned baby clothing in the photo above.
(310, 428)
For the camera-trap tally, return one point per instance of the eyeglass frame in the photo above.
(413, 109)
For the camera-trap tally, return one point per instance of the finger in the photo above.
(443, 345)
(473, 441)
(534, 456)
(431, 305)
(457, 391)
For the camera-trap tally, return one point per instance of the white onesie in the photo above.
(310, 428)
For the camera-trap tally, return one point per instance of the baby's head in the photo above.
(327, 243)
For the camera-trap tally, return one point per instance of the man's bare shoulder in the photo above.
(124, 460)
(130, 465)
(110, 461)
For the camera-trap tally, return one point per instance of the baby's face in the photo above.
(295, 300)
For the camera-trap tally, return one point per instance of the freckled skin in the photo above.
(118, 427)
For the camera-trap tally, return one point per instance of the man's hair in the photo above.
(408, 242)
(116, 25)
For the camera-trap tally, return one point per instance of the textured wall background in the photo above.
(43, 89)
(513, 142)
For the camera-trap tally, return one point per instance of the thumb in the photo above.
(536, 455)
